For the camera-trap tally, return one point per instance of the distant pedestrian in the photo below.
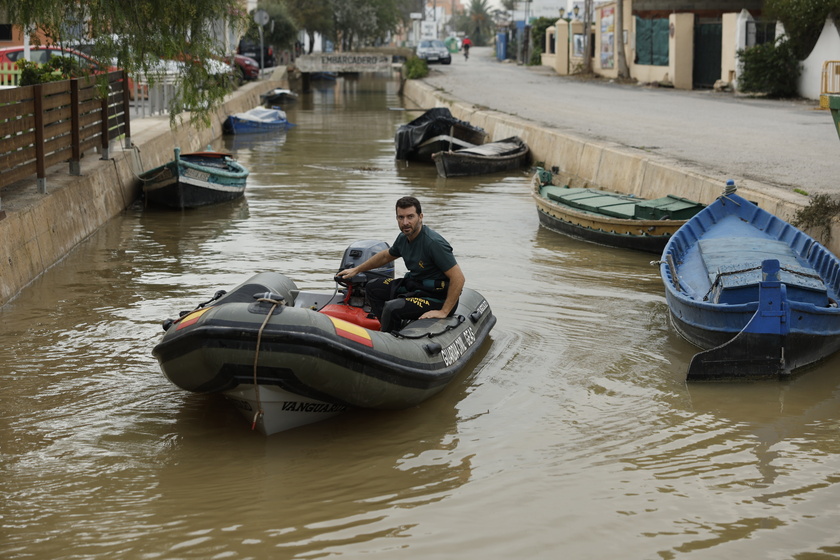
(466, 44)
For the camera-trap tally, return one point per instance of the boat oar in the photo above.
(406, 109)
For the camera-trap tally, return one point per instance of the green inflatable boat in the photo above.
(287, 357)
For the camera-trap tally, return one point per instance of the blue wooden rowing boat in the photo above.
(258, 119)
(757, 294)
(195, 179)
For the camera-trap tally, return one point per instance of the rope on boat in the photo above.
(730, 188)
(274, 303)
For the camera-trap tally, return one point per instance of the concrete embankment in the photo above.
(41, 229)
(584, 162)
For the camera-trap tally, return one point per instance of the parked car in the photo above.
(434, 50)
(247, 68)
(41, 54)
(252, 50)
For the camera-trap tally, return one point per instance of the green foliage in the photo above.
(313, 15)
(281, 32)
(136, 35)
(538, 27)
(476, 22)
(416, 68)
(57, 68)
(770, 68)
(803, 20)
(819, 214)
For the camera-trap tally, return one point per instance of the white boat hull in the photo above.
(281, 410)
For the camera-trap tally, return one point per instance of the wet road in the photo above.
(777, 143)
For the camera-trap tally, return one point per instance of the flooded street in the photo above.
(572, 435)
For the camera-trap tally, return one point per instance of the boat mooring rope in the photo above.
(730, 188)
(274, 303)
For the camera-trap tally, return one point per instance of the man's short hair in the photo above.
(409, 202)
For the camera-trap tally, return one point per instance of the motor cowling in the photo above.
(360, 251)
(355, 254)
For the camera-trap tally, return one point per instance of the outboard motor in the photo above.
(357, 253)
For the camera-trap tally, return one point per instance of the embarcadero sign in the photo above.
(344, 62)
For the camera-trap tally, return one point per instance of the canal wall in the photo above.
(584, 162)
(39, 230)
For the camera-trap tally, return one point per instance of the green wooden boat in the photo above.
(609, 218)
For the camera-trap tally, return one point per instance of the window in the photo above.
(760, 32)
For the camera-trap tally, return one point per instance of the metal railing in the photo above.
(829, 81)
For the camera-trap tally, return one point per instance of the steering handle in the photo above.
(360, 278)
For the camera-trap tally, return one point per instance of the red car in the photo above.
(247, 68)
(42, 54)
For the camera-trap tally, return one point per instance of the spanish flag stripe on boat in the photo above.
(351, 331)
(192, 318)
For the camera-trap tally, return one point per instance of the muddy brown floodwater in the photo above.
(571, 435)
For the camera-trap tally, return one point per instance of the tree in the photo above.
(282, 29)
(587, 36)
(803, 21)
(476, 22)
(137, 34)
(623, 70)
(315, 16)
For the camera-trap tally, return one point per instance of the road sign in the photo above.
(261, 17)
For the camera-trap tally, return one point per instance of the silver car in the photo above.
(433, 50)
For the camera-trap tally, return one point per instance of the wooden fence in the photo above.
(9, 74)
(56, 122)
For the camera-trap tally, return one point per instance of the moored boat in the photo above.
(278, 96)
(434, 131)
(258, 119)
(609, 218)
(755, 293)
(494, 157)
(287, 357)
(195, 179)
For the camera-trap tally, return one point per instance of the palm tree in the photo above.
(481, 22)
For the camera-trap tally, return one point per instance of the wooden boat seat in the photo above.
(589, 200)
(493, 149)
(452, 143)
(736, 281)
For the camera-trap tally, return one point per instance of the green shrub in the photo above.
(416, 68)
(538, 46)
(818, 215)
(57, 68)
(770, 68)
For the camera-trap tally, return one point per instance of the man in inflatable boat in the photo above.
(433, 283)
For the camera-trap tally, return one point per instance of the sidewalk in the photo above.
(777, 143)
